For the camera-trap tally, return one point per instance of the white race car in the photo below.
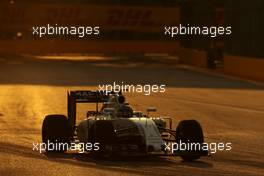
(118, 130)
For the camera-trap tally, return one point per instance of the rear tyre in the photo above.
(55, 133)
(189, 131)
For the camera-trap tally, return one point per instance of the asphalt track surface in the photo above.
(229, 111)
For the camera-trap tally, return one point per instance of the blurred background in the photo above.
(137, 28)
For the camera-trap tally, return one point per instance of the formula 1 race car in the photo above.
(115, 129)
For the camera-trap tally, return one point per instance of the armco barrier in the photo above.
(122, 47)
(251, 68)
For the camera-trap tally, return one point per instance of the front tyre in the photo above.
(102, 132)
(187, 132)
(55, 133)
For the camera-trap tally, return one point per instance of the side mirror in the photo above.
(151, 109)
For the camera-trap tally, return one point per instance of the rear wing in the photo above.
(83, 96)
(86, 96)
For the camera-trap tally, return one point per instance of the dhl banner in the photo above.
(18, 19)
(108, 17)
